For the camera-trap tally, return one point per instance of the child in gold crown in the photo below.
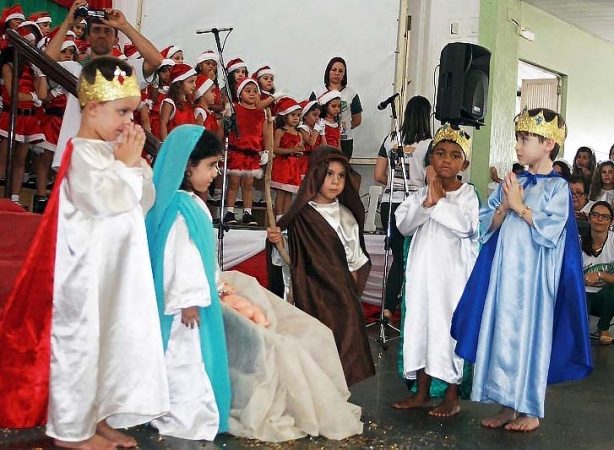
(443, 220)
(522, 318)
(87, 285)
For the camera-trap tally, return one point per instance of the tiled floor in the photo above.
(578, 415)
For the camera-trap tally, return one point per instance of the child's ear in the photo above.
(549, 144)
(465, 166)
(90, 109)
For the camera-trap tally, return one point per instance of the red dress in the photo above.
(332, 132)
(51, 122)
(286, 174)
(303, 162)
(27, 128)
(154, 111)
(209, 118)
(178, 117)
(243, 156)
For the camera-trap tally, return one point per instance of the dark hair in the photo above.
(565, 170)
(176, 94)
(95, 21)
(316, 105)
(106, 65)
(579, 179)
(208, 145)
(591, 157)
(517, 167)
(232, 83)
(611, 149)
(587, 239)
(596, 183)
(416, 120)
(336, 59)
(324, 107)
(280, 121)
(549, 115)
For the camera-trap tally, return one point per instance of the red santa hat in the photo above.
(12, 12)
(328, 96)
(131, 51)
(40, 17)
(206, 56)
(180, 72)
(69, 42)
(166, 62)
(169, 51)
(244, 82)
(117, 53)
(235, 64)
(306, 105)
(203, 83)
(264, 70)
(286, 105)
(30, 30)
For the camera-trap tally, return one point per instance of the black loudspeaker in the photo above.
(462, 91)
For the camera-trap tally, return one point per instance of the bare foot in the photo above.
(503, 417)
(118, 438)
(446, 408)
(605, 338)
(414, 401)
(523, 423)
(94, 443)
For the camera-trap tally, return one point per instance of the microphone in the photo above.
(386, 102)
(213, 30)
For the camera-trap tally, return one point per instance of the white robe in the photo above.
(286, 379)
(194, 413)
(106, 347)
(442, 254)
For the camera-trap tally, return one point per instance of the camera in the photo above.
(83, 12)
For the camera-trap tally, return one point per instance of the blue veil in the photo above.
(168, 174)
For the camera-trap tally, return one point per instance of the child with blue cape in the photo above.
(522, 318)
(280, 364)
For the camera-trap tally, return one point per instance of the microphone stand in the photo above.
(230, 125)
(395, 155)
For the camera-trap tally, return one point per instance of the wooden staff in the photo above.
(267, 184)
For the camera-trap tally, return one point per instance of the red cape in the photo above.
(25, 325)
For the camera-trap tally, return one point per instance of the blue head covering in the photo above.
(169, 171)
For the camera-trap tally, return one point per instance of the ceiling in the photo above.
(593, 16)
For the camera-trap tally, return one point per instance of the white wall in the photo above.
(297, 39)
(430, 33)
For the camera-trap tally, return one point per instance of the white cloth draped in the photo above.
(442, 254)
(106, 348)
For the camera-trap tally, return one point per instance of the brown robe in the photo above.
(322, 284)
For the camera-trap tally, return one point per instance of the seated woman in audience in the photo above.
(578, 185)
(602, 185)
(598, 265)
(584, 163)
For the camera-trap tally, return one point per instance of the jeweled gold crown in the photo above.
(540, 126)
(103, 90)
(447, 133)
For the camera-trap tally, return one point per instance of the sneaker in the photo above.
(230, 219)
(248, 219)
(39, 203)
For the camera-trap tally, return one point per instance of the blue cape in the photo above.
(168, 174)
(571, 351)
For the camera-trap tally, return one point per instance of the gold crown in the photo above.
(540, 126)
(103, 90)
(447, 133)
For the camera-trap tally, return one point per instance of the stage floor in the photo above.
(578, 415)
